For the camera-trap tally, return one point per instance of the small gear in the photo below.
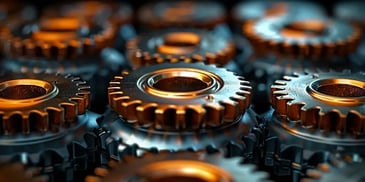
(181, 166)
(40, 102)
(180, 96)
(324, 107)
(351, 11)
(57, 38)
(303, 38)
(180, 45)
(116, 13)
(169, 14)
(255, 10)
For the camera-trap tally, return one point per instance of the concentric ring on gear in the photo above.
(168, 96)
(183, 166)
(324, 107)
(185, 45)
(303, 37)
(58, 38)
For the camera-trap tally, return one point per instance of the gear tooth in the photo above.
(294, 110)
(231, 110)
(55, 117)
(117, 101)
(14, 122)
(146, 113)
(280, 104)
(180, 118)
(81, 105)
(242, 102)
(164, 117)
(113, 94)
(355, 123)
(332, 121)
(214, 114)
(309, 117)
(281, 82)
(196, 117)
(38, 121)
(129, 109)
(70, 111)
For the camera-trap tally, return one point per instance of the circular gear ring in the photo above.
(185, 45)
(58, 38)
(181, 166)
(40, 102)
(180, 96)
(303, 37)
(181, 14)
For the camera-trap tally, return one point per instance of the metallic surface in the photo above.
(181, 14)
(180, 96)
(182, 166)
(324, 107)
(303, 38)
(187, 45)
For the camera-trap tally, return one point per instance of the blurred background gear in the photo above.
(181, 166)
(186, 45)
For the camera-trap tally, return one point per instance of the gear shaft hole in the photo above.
(179, 43)
(180, 84)
(342, 90)
(304, 29)
(22, 92)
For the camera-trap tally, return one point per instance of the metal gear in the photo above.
(182, 166)
(117, 13)
(324, 107)
(180, 96)
(180, 45)
(169, 14)
(303, 38)
(57, 38)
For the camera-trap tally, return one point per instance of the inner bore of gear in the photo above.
(178, 43)
(304, 29)
(23, 91)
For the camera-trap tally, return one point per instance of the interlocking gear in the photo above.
(324, 107)
(181, 166)
(168, 14)
(58, 38)
(40, 102)
(180, 96)
(185, 45)
(303, 38)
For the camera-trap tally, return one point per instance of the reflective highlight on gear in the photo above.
(195, 14)
(58, 38)
(329, 101)
(180, 96)
(184, 45)
(40, 102)
(305, 38)
(180, 166)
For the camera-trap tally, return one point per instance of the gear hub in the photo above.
(185, 45)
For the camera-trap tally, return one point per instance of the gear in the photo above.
(303, 38)
(40, 102)
(180, 96)
(181, 166)
(180, 45)
(18, 173)
(168, 14)
(255, 10)
(337, 172)
(116, 13)
(325, 107)
(58, 38)
(351, 10)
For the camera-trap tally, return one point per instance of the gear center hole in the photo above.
(180, 84)
(304, 29)
(23, 89)
(342, 90)
(179, 43)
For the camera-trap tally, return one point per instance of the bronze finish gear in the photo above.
(168, 14)
(116, 13)
(180, 45)
(180, 96)
(40, 102)
(180, 166)
(58, 38)
(328, 101)
(304, 38)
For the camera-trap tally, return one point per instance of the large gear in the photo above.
(175, 45)
(180, 96)
(57, 38)
(303, 38)
(182, 166)
(167, 14)
(255, 10)
(324, 107)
